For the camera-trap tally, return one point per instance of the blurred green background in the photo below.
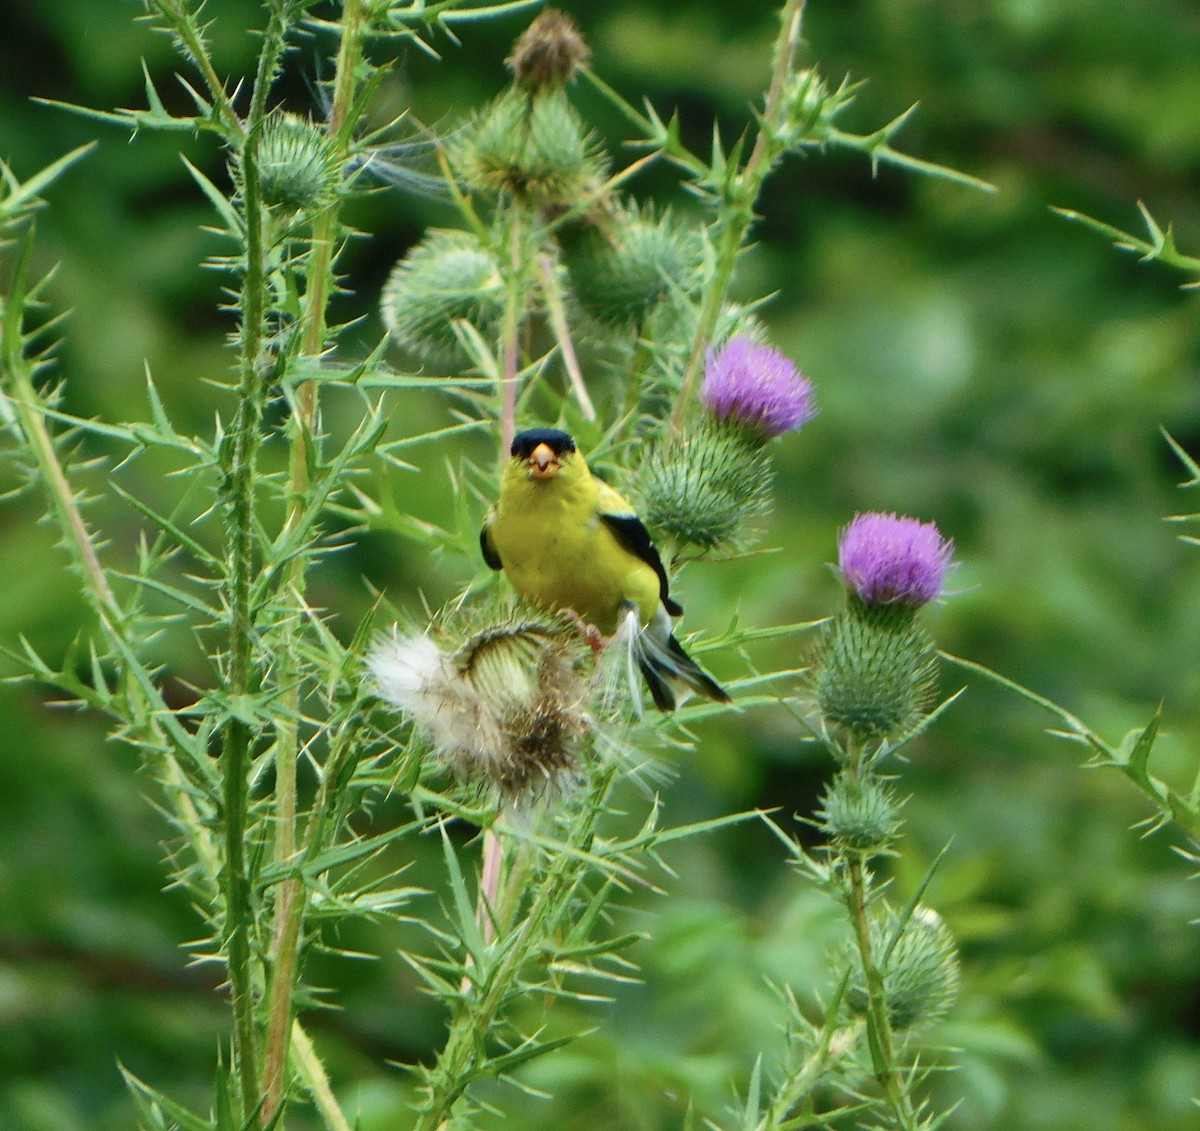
(979, 362)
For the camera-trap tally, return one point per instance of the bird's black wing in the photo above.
(635, 538)
(485, 544)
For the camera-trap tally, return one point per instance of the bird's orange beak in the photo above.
(543, 463)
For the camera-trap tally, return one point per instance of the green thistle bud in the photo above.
(623, 269)
(920, 974)
(875, 670)
(806, 101)
(550, 52)
(532, 146)
(447, 277)
(295, 169)
(705, 488)
(859, 812)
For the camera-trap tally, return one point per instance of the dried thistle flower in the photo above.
(550, 52)
(507, 710)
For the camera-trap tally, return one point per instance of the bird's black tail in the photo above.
(662, 661)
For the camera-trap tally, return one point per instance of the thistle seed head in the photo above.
(507, 709)
(549, 53)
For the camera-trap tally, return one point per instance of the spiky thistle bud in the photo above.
(507, 709)
(295, 166)
(920, 969)
(706, 488)
(876, 668)
(445, 278)
(531, 146)
(859, 812)
(622, 267)
(550, 52)
(875, 671)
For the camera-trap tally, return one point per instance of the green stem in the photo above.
(556, 310)
(291, 905)
(246, 440)
(29, 407)
(462, 1058)
(235, 755)
(737, 211)
(313, 1074)
(510, 329)
(191, 42)
(879, 1028)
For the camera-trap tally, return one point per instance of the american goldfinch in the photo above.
(568, 541)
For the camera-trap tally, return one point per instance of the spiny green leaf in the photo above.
(153, 1105)
(23, 195)
(167, 526)
(464, 910)
(219, 201)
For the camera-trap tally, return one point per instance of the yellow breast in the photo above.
(559, 554)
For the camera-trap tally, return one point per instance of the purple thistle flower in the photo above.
(756, 386)
(889, 559)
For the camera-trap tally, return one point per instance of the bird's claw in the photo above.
(595, 638)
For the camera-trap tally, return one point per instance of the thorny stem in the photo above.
(807, 1076)
(879, 1027)
(33, 424)
(476, 1010)
(192, 43)
(235, 754)
(509, 332)
(30, 411)
(562, 331)
(291, 901)
(239, 491)
(740, 197)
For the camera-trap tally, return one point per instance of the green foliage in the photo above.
(978, 361)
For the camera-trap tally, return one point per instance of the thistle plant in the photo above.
(707, 488)
(873, 680)
(554, 296)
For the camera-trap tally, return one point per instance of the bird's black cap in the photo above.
(524, 442)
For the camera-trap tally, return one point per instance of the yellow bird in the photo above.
(568, 541)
